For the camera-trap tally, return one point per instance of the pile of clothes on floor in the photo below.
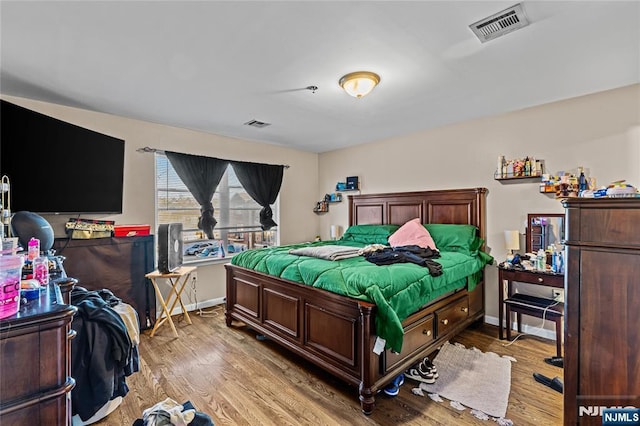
(103, 353)
(169, 412)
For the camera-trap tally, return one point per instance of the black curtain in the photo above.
(262, 182)
(201, 175)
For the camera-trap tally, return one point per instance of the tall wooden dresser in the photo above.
(35, 367)
(602, 313)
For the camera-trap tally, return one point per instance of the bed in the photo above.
(339, 333)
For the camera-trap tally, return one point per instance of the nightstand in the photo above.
(529, 305)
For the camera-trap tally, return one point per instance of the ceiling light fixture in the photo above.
(360, 83)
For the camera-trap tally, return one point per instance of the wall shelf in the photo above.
(322, 206)
(352, 183)
(499, 177)
(519, 169)
(321, 209)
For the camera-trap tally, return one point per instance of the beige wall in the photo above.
(600, 132)
(297, 220)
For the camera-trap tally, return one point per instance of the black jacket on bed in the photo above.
(100, 353)
(407, 254)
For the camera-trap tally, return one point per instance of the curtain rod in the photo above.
(161, 151)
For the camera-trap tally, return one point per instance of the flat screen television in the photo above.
(58, 167)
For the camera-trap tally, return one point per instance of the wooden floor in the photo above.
(237, 379)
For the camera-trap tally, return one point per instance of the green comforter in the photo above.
(398, 290)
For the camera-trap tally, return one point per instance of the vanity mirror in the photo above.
(543, 230)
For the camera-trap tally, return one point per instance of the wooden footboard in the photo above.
(337, 333)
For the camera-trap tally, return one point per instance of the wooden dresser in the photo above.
(602, 315)
(35, 368)
(117, 264)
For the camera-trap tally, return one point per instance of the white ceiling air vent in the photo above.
(256, 123)
(501, 23)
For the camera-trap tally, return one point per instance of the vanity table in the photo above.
(543, 229)
(528, 305)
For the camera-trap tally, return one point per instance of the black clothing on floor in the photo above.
(200, 419)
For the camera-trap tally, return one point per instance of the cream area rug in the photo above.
(474, 379)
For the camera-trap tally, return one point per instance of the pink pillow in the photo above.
(412, 233)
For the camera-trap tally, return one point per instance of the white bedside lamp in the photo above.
(336, 232)
(511, 242)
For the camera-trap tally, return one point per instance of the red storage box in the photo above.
(131, 230)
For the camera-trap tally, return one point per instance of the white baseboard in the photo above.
(528, 329)
(194, 306)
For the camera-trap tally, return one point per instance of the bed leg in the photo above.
(367, 400)
(227, 318)
(368, 372)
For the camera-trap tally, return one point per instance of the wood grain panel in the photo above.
(18, 380)
(610, 227)
(247, 297)
(280, 312)
(399, 213)
(602, 368)
(440, 212)
(369, 214)
(476, 299)
(331, 333)
(463, 206)
(53, 371)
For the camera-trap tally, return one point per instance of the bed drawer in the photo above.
(417, 335)
(449, 316)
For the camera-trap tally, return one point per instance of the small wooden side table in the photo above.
(177, 279)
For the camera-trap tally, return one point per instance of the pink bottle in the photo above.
(33, 249)
(41, 270)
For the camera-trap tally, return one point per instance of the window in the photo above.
(236, 212)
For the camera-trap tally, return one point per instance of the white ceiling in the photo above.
(213, 65)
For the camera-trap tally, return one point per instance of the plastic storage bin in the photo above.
(10, 275)
(131, 230)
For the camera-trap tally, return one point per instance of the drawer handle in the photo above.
(464, 309)
(71, 334)
(540, 279)
(445, 321)
(427, 332)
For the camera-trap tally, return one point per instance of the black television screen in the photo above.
(58, 167)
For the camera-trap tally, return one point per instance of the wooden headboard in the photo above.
(462, 206)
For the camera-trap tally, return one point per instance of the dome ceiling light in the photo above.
(360, 83)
